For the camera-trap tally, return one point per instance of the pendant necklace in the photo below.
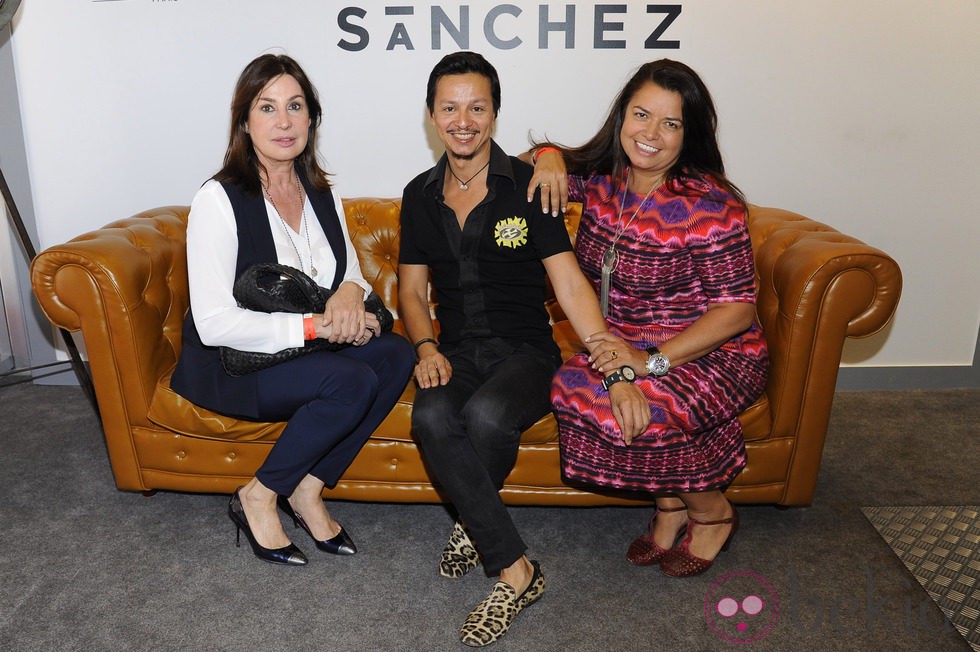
(465, 185)
(303, 226)
(610, 258)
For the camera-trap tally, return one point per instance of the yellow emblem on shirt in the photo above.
(511, 232)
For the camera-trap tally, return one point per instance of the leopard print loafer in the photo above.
(459, 556)
(492, 618)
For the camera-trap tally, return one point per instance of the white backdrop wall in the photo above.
(862, 115)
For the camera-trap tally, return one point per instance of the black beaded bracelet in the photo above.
(423, 341)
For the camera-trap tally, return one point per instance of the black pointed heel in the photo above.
(341, 544)
(289, 555)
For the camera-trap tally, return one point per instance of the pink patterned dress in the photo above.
(688, 247)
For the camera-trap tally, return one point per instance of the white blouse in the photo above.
(212, 254)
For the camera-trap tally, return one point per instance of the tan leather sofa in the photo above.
(125, 287)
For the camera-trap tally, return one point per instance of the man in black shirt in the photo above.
(468, 223)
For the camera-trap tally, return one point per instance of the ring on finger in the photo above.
(614, 353)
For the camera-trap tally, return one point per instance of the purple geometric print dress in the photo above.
(687, 248)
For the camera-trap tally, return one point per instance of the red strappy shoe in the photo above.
(679, 562)
(644, 551)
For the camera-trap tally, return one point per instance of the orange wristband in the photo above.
(309, 330)
(539, 152)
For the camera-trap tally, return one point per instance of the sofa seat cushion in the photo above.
(170, 410)
(397, 425)
(757, 420)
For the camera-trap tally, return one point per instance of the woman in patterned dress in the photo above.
(663, 238)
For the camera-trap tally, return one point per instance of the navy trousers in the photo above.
(332, 401)
(469, 431)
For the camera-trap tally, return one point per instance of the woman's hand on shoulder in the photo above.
(344, 317)
(551, 175)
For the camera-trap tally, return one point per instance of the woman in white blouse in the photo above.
(272, 202)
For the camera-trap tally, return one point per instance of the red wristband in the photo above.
(309, 330)
(539, 152)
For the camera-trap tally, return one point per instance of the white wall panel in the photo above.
(862, 115)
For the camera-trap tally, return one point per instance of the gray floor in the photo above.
(86, 567)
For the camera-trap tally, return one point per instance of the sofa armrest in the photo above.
(123, 286)
(817, 287)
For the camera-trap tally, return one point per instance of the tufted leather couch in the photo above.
(125, 287)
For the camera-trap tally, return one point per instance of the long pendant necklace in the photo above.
(465, 185)
(303, 226)
(610, 258)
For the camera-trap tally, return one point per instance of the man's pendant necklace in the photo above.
(465, 185)
(610, 257)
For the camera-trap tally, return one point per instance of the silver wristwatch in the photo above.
(657, 364)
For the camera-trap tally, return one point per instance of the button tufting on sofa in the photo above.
(125, 287)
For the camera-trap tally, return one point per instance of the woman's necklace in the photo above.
(610, 258)
(465, 185)
(302, 222)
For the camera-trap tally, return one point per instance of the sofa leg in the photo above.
(149, 493)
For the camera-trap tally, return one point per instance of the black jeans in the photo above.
(469, 431)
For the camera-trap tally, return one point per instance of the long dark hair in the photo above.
(241, 164)
(699, 157)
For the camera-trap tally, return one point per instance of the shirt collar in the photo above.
(500, 166)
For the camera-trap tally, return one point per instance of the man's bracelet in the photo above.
(424, 340)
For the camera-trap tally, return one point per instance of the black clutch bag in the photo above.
(270, 287)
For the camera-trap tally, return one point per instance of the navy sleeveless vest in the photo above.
(199, 376)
